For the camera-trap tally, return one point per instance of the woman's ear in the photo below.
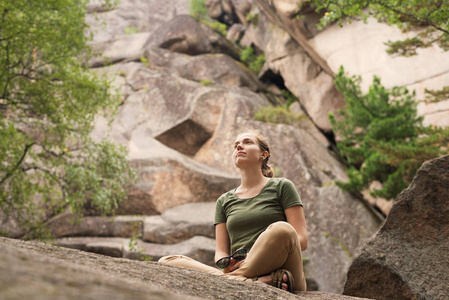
(264, 155)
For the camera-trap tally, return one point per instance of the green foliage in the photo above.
(48, 102)
(217, 27)
(403, 13)
(407, 47)
(252, 18)
(289, 98)
(438, 95)
(198, 11)
(277, 115)
(253, 61)
(131, 30)
(145, 61)
(206, 82)
(133, 243)
(340, 243)
(382, 137)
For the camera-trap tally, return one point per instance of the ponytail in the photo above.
(267, 170)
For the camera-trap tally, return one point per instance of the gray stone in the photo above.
(52, 272)
(132, 16)
(199, 247)
(121, 48)
(408, 257)
(241, 8)
(184, 35)
(117, 226)
(180, 223)
(235, 32)
(226, 71)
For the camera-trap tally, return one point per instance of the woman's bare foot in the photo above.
(267, 279)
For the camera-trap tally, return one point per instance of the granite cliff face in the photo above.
(185, 96)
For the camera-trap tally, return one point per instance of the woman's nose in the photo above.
(239, 147)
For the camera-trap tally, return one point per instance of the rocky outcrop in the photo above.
(40, 271)
(408, 257)
(184, 35)
(288, 55)
(226, 71)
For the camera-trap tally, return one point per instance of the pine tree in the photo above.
(382, 137)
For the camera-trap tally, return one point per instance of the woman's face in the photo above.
(246, 151)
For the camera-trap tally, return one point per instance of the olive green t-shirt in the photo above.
(246, 219)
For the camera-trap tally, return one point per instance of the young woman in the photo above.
(260, 226)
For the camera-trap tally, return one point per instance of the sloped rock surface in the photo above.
(53, 272)
(408, 257)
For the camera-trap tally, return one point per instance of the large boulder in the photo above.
(408, 257)
(226, 71)
(185, 35)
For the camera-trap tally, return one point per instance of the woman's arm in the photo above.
(222, 247)
(295, 217)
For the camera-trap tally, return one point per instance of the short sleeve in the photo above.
(288, 194)
(220, 216)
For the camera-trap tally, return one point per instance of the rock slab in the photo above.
(408, 257)
(50, 272)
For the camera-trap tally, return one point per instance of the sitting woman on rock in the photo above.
(260, 226)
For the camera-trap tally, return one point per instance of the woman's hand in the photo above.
(234, 265)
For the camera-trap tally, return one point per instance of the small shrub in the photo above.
(277, 115)
(198, 10)
(131, 30)
(253, 61)
(252, 18)
(145, 61)
(206, 82)
(217, 27)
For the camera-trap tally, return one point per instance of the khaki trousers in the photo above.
(276, 248)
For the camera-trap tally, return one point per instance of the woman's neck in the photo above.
(251, 178)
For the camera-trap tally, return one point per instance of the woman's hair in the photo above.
(267, 170)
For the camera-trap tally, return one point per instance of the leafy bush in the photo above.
(198, 10)
(382, 137)
(253, 61)
(48, 102)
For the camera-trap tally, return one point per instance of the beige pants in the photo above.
(276, 248)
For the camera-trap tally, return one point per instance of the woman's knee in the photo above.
(282, 228)
(171, 259)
